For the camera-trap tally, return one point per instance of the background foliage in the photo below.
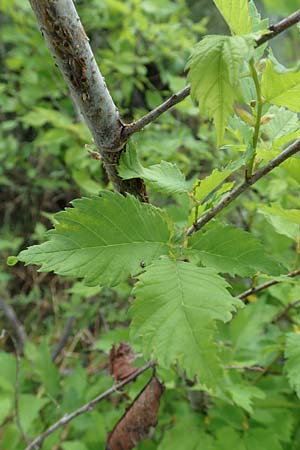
(142, 47)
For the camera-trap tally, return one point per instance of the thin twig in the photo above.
(236, 192)
(17, 390)
(266, 285)
(87, 407)
(284, 312)
(250, 368)
(64, 337)
(16, 325)
(139, 124)
(133, 127)
(279, 28)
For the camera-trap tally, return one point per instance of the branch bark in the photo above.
(279, 28)
(70, 48)
(17, 327)
(266, 285)
(236, 192)
(35, 444)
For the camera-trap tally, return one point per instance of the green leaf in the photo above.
(258, 24)
(214, 73)
(102, 239)
(243, 395)
(30, 405)
(228, 439)
(285, 221)
(281, 89)
(175, 295)
(164, 177)
(283, 122)
(236, 14)
(292, 365)
(203, 188)
(12, 260)
(260, 438)
(232, 250)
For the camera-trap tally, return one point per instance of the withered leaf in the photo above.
(121, 358)
(138, 419)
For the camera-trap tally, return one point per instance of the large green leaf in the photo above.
(292, 365)
(281, 89)
(164, 177)
(102, 239)
(214, 73)
(174, 312)
(236, 14)
(232, 250)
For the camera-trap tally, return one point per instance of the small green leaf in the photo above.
(292, 365)
(12, 260)
(232, 250)
(281, 89)
(203, 188)
(214, 73)
(282, 123)
(243, 395)
(236, 14)
(164, 177)
(175, 295)
(102, 239)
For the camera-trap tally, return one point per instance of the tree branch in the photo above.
(64, 338)
(16, 325)
(87, 407)
(279, 28)
(136, 126)
(70, 48)
(133, 127)
(266, 285)
(236, 192)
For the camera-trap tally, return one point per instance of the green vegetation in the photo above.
(201, 278)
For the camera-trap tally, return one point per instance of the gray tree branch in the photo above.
(17, 327)
(70, 48)
(35, 444)
(236, 192)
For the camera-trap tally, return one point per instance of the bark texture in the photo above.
(69, 45)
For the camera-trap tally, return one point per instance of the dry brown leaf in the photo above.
(121, 358)
(138, 419)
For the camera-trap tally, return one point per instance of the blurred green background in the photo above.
(142, 47)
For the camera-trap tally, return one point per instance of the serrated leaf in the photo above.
(285, 221)
(164, 177)
(243, 395)
(283, 122)
(203, 188)
(292, 365)
(232, 250)
(236, 14)
(258, 24)
(102, 239)
(214, 73)
(281, 89)
(175, 295)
